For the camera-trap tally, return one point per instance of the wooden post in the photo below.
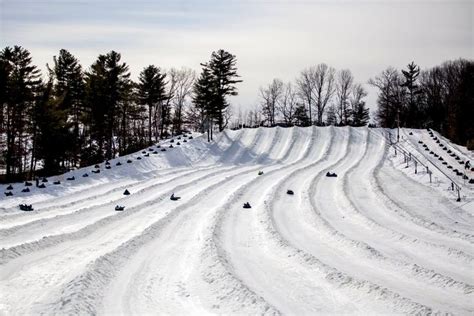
(459, 195)
(416, 171)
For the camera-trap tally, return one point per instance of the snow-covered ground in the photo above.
(376, 239)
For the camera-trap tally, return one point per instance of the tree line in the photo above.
(74, 117)
(441, 98)
(320, 96)
(78, 117)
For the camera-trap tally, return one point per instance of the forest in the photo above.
(72, 117)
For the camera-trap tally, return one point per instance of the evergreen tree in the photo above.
(331, 118)
(301, 116)
(222, 67)
(360, 116)
(54, 138)
(205, 99)
(151, 92)
(412, 114)
(70, 89)
(21, 79)
(107, 85)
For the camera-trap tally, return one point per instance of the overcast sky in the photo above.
(271, 39)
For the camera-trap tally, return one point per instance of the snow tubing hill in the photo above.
(378, 238)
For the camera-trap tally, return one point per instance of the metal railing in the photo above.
(408, 156)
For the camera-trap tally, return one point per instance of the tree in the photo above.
(54, 138)
(324, 88)
(301, 116)
(331, 118)
(412, 114)
(183, 80)
(391, 97)
(305, 86)
(22, 80)
(223, 70)
(287, 105)
(151, 92)
(69, 89)
(270, 99)
(107, 86)
(343, 89)
(204, 99)
(359, 112)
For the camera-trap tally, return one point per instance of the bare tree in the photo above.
(357, 94)
(270, 98)
(391, 96)
(305, 87)
(324, 87)
(183, 80)
(288, 103)
(343, 91)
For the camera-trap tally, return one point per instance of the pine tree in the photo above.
(54, 137)
(204, 99)
(21, 79)
(301, 116)
(151, 92)
(222, 67)
(360, 115)
(107, 85)
(331, 118)
(412, 114)
(70, 89)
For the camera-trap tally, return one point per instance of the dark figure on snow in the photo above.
(174, 198)
(467, 165)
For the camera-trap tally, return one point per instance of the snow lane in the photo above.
(80, 218)
(73, 202)
(437, 210)
(396, 232)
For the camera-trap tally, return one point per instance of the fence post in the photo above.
(459, 195)
(429, 172)
(409, 156)
(416, 171)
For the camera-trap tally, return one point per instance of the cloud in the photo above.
(270, 38)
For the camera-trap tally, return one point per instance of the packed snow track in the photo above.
(378, 238)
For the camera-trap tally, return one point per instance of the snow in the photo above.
(377, 239)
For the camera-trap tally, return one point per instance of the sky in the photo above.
(270, 38)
